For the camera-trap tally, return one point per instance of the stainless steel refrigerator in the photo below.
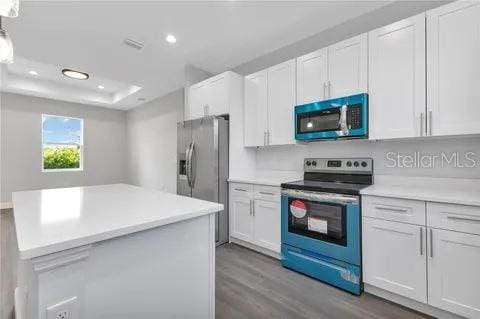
(202, 168)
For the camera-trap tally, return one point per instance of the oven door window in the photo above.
(318, 121)
(318, 220)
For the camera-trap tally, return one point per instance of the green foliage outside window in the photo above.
(61, 158)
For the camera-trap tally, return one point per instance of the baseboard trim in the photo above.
(259, 249)
(409, 303)
(6, 205)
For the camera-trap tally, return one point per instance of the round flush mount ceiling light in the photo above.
(9, 8)
(33, 72)
(170, 38)
(73, 74)
(101, 87)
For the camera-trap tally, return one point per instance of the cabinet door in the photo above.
(197, 100)
(281, 103)
(267, 224)
(454, 68)
(453, 276)
(256, 119)
(397, 79)
(312, 77)
(347, 67)
(242, 223)
(217, 103)
(394, 257)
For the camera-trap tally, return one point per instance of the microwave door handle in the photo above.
(343, 121)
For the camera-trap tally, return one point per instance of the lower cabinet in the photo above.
(454, 272)
(255, 215)
(406, 258)
(394, 257)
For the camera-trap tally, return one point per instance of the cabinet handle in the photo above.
(430, 120)
(250, 207)
(205, 110)
(421, 124)
(324, 90)
(397, 210)
(463, 219)
(431, 243)
(267, 193)
(421, 241)
(253, 207)
(329, 89)
(240, 189)
(265, 138)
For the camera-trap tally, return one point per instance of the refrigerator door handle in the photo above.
(193, 164)
(189, 164)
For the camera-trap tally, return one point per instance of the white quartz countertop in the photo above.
(48, 221)
(269, 178)
(443, 190)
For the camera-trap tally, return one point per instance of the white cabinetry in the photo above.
(397, 79)
(394, 257)
(405, 252)
(255, 215)
(336, 71)
(256, 112)
(269, 104)
(453, 72)
(212, 96)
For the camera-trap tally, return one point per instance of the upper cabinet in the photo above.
(210, 97)
(256, 117)
(347, 67)
(336, 71)
(453, 69)
(397, 79)
(269, 105)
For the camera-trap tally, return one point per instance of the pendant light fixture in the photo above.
(9, 8)
(6, 46)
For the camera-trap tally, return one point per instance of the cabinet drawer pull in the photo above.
(463, 219)
(421, 241)
(240, 189)
(397, 210)
(422, 121)
(267, 193)
(431, 243)
(430, 122)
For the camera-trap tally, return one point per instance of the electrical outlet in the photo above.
(63, 310)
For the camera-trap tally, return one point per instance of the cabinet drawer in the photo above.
(239, 189)
(267, 193)
(454, 217)
(394, 209)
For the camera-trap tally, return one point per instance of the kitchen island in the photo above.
(114, 251)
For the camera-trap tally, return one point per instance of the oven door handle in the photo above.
(321, 197)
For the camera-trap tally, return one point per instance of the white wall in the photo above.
(152, 142)
(105, 146)
(290, 158)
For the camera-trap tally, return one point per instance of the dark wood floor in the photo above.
(250, 285)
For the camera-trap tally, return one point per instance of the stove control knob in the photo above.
(356, 164)
(364, 164)
(314, 163)
(349, 164)
(308, 163)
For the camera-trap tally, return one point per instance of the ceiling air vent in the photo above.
(133, 44)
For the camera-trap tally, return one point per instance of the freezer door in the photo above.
(184, 139)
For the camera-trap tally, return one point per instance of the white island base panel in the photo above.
(164, 272)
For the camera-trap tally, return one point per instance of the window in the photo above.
(62, 139)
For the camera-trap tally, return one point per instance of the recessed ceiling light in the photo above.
(171, 39)
(101, 87)
(77, 75)
(33, 72)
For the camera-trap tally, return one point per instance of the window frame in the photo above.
(59, 170)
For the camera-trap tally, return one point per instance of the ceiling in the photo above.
(214, 36)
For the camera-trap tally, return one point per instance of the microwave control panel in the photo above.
(354, 116)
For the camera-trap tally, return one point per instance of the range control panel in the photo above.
(330, 165)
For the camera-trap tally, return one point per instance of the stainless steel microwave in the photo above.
(345, 117)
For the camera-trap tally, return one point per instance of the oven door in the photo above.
(326, 224)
